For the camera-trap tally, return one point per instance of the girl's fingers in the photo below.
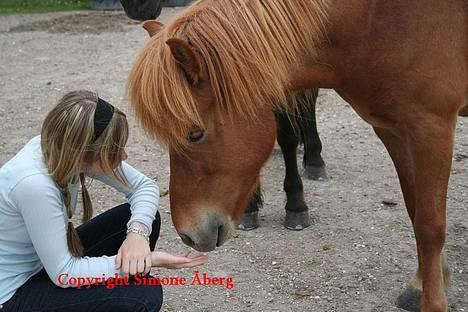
(191, 263)
(118, 260)
(188, 260)
(199, 261)
(176, 259)
(200, 256)
(133, 266)
(164, 259)
(141, 265)
(148, 264)
(125, 266)
(193, 255)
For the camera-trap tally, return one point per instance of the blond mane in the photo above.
(248, 47)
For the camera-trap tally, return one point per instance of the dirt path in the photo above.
(356, 257)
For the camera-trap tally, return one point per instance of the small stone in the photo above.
(303, 292)
(389, 202)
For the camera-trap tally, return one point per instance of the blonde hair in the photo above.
(68, 148)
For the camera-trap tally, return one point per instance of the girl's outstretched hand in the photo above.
(164, 260)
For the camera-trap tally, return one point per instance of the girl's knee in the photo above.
(153, 296)
(142, 299)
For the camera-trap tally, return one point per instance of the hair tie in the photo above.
(102, 117)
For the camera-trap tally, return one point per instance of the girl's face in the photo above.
(95, 169)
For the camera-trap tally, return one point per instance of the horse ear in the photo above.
(187, 58)
(152, 27)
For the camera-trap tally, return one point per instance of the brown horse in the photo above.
(205, 85)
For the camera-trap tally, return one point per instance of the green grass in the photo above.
(41, 6)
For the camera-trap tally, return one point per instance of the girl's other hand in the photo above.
(168, 261)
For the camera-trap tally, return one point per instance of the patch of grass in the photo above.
(41, 6)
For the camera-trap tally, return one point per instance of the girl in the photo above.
(42, 254)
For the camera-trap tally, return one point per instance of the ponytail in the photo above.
(73, 240)
(87, 205)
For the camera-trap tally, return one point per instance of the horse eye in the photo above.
(196, 136)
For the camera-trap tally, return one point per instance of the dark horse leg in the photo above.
(297, 216)
(312, 162)
(297, 212)
(249, 219)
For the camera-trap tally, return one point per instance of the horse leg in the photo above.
(249, 220)
(409, 299)
(312, 162)
(431, 151)
(423, 160)
(297, 212)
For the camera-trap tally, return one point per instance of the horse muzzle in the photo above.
(216, 231)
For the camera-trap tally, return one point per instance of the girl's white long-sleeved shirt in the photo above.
(33, 221)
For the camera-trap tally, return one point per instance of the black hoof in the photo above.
(297, 221)
(316, 173)
(248, 222)
(409, 300)
(464, 111)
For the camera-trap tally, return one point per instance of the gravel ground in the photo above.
(359, 254)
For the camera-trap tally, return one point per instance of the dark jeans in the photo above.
(102, 235)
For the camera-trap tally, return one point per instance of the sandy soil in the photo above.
(358, 255)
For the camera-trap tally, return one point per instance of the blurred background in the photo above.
(41, 6)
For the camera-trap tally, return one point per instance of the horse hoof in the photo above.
(409, 299)
(297, 221)
(248, 222)
(463, 112)
(316, 173)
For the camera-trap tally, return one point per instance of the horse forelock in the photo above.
(247, 48)
(160, 95)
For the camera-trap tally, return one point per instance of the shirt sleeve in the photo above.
(41, 206)
(143, 194)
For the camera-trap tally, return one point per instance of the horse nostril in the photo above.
(221, 235)
(187, 240)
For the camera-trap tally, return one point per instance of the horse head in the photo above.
(215, 159)
(205, 85)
